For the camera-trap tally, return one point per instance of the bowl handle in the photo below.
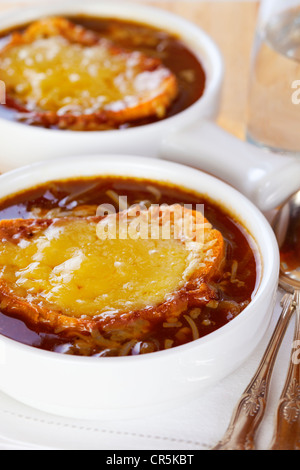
(266, 178)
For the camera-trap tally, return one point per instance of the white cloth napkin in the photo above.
(196, 426)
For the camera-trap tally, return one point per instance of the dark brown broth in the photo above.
(94, 192)
(155, 43)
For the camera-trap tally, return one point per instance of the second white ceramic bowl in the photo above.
(22, 144)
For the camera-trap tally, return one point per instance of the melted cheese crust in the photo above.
(65, 75)
(66, 274)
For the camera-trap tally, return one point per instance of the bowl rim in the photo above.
(268, 276)
(210, 52)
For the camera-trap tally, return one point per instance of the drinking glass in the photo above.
(274, 95)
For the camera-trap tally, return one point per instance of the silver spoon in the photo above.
(250, 409)
(287, 229)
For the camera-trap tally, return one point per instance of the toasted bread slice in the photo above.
(61, 74)
(105, 273)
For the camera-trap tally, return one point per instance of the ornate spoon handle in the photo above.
(250, 409)
(287, 430)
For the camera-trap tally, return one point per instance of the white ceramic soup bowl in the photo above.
(190, 137)
(93, 388)
(22, 144)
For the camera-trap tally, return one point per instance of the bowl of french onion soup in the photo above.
(101, 77)
(127, 284)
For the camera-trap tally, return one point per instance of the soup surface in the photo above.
(162, 325)
(54, 89)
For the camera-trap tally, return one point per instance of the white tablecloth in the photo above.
(196, 426)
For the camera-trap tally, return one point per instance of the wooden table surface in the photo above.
(232, 26)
